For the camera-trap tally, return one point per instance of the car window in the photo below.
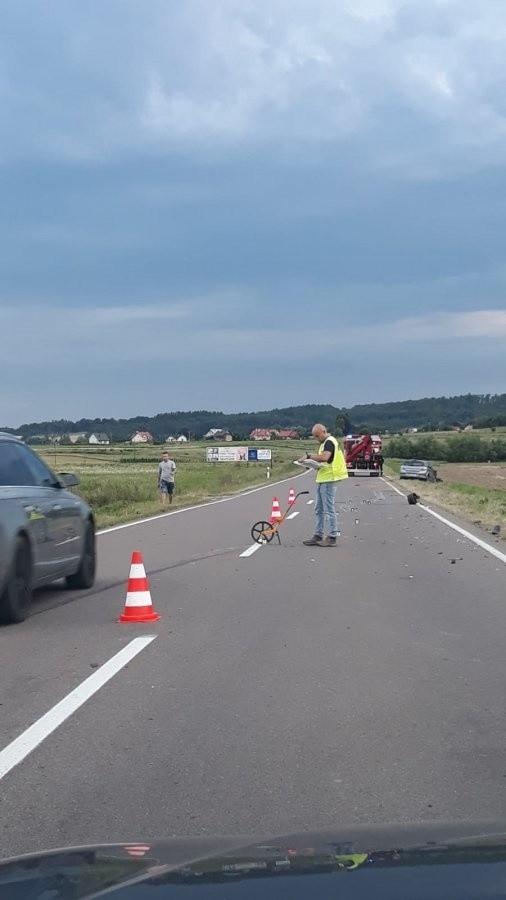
(41, 474)
(414, 462)
(13, 467)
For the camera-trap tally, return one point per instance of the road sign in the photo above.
(226, 454)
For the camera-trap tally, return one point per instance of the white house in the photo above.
(263, 434)
(98, 438)
(182, 439)
(142, 437)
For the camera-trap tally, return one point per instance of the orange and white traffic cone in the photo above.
(291, 497)
(276, 512)
(138, 603)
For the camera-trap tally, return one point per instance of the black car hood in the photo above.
(464, 861)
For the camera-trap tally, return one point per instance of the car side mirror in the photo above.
(67, 479)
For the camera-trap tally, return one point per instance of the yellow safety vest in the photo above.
(336, 470)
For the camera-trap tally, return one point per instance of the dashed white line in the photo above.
(309, 502)
(254, 547)
(20, 747)
(251, 550)
(476, 540)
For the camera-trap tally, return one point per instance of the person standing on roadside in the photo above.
(333, 470)
(166, 471)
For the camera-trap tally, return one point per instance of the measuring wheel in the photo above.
(262, 532)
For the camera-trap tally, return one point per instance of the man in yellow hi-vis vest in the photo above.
(333, 470)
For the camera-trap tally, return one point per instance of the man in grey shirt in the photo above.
(166, 471)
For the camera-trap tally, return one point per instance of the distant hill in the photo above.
(430, 413)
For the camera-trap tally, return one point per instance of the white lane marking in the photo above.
(20, 747)
(476, 540)
(184, 509)
(309, 502)
(251, 550)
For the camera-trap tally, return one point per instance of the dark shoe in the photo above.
(327, 542)
(312, 542)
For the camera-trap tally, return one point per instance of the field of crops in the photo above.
(120, 482)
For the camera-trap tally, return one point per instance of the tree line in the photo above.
(429, 414)
(461, 448)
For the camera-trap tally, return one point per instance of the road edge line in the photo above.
(476, 540)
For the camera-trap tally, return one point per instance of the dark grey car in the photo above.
(46, 532)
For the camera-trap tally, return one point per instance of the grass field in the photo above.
(474, 491)
(500, 431)
(120, 483)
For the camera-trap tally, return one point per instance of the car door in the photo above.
(19, 490)
(62, 511)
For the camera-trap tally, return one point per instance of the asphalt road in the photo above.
(295, 688)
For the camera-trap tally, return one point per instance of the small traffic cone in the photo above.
(291, 497)
(276, 512)
(138, 604)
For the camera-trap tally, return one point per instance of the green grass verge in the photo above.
(122, 496)
(486, 506)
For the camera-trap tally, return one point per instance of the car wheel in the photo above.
(16, 597)
(85, 575)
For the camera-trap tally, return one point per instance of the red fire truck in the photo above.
(362, 453)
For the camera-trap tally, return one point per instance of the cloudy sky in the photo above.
(241, 204)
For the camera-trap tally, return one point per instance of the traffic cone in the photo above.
(138, 604)
(276, 512)
(291, 497)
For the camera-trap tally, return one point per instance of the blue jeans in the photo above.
(326, 507)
